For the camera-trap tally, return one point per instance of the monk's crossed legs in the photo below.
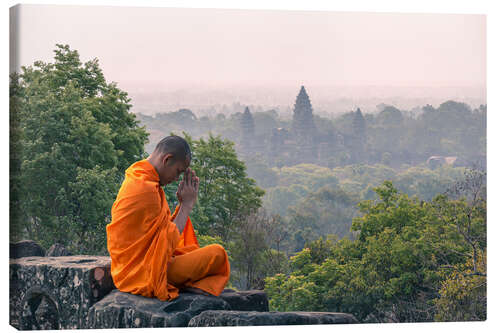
(205, 268)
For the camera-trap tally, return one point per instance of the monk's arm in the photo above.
(182, 215)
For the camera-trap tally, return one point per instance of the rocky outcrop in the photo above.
(56, 292)
(120, 309)
(253, 318)
(25, 248)
(71, 292)
(248, 300)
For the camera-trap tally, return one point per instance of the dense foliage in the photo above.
(72, 137)
(293, 183)
(328, 211)
(412, 261)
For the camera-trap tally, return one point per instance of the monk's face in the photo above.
(171, 169)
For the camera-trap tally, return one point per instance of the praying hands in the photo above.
(187, 192)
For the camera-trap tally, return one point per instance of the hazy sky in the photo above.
(170, 47)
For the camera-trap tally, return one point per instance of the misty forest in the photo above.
(380, 213)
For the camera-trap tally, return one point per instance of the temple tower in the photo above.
(303, 123)
(247, 130)
(359, 137)
(303, 127)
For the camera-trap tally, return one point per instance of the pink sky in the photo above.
(170, 47)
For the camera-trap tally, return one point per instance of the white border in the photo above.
(421, 6)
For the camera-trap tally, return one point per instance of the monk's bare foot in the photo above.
(195, 291)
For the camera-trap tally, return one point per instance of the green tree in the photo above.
(74, 137)
(426, 183)
(310, 175)
(248, 248)
(16, 215)
(328, 210)
(412, 261)
(279, 198)
(462, 296)
(257, 250)
(388, 133)
(260, 172)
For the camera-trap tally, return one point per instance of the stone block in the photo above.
(56, 292)
(25, 248)
(254, 318)
(120, 310)
(248, 300)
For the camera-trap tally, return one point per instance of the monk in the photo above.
(155, 253)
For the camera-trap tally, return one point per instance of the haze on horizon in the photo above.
(147, 49)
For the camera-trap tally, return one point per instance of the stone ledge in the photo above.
(25, 248)
(253, 318)
(247, 300)
(56, 292)
(75, 292)
(81, 261)
(120, 310)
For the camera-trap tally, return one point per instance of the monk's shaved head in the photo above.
(175, 145)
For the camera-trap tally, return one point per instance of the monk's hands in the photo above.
(187, 192)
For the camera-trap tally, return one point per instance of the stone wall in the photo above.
(56, 292)
(72, 292)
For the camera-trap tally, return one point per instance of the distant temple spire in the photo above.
(358, 137)
(303, 128)
(303, 123)
(358, 124)
(247, 129)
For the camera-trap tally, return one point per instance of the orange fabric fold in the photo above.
(188, 236)
(142, 238)
(205, 268)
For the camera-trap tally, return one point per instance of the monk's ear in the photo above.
(167, 159)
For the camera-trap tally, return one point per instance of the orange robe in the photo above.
(143, 240)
